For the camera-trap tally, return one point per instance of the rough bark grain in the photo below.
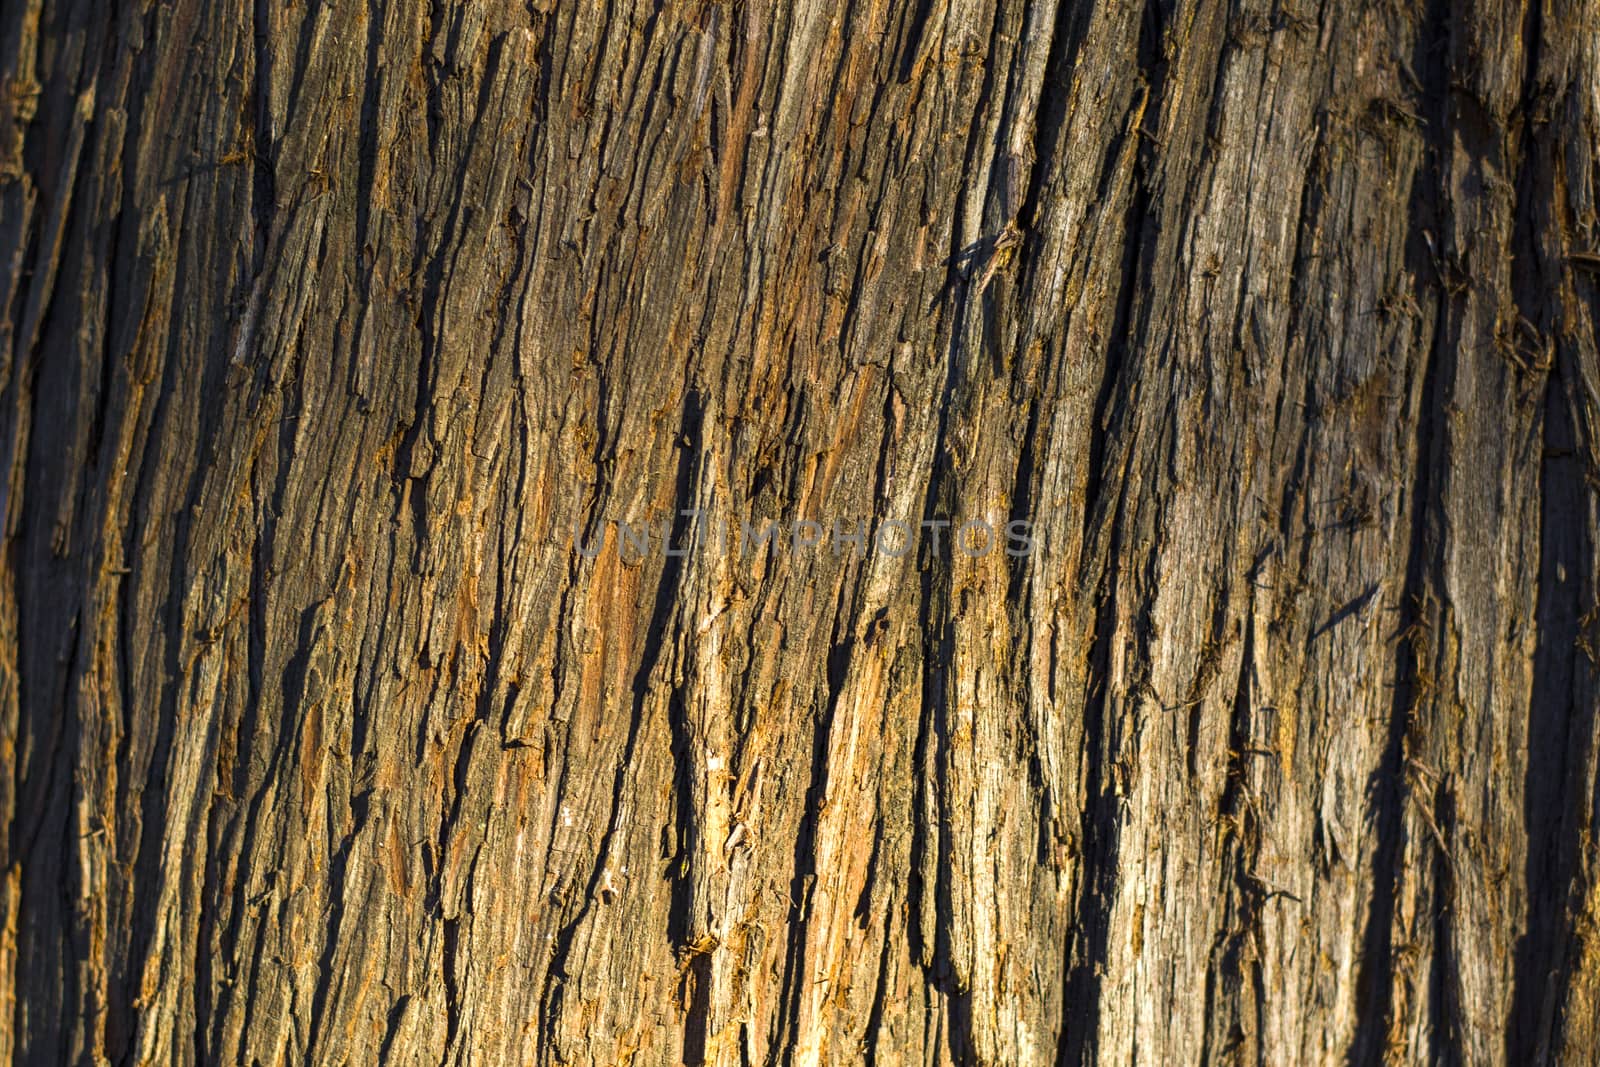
(325, 324)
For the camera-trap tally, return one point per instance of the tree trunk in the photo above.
(392, 395)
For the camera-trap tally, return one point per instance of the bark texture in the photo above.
(323, 324)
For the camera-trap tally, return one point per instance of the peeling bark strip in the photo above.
(1275, 318)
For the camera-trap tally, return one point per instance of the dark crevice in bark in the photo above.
(983, 246)
(795, 980)
(665, 606)
(1050, 113)
(1209, 668)
(263, 149)
(47, 250)
(37, 765)
(1389, 786)
(681, 917)
(338, 867)
(1233, 978)
(146, 874)
(1561, 715)
(366, 171)
(1111, 393)
(391, 1032)
(303, 41)
(43, 793)
(698, 1011)
(1312, 204)
(1556, 719)
(1111, 744)
(880, 994)
(1104, 504)
(916, 31)
(1444, 992)
(450, 931)
(1018, 592)
(924, 797)
(96, 447)
(207, 934)
(1098, 832)
(417, 452)
(931, 758)
(1389, 790)
(1139, 248)
(863, 909)
(240, 831)
(681, 924)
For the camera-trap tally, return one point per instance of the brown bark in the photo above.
(324, 324)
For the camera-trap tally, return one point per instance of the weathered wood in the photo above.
(325, 325)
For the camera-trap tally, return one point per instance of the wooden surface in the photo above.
(324, 324)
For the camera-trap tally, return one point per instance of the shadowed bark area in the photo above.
(343, 724)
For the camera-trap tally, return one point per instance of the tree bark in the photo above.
(335, 335)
